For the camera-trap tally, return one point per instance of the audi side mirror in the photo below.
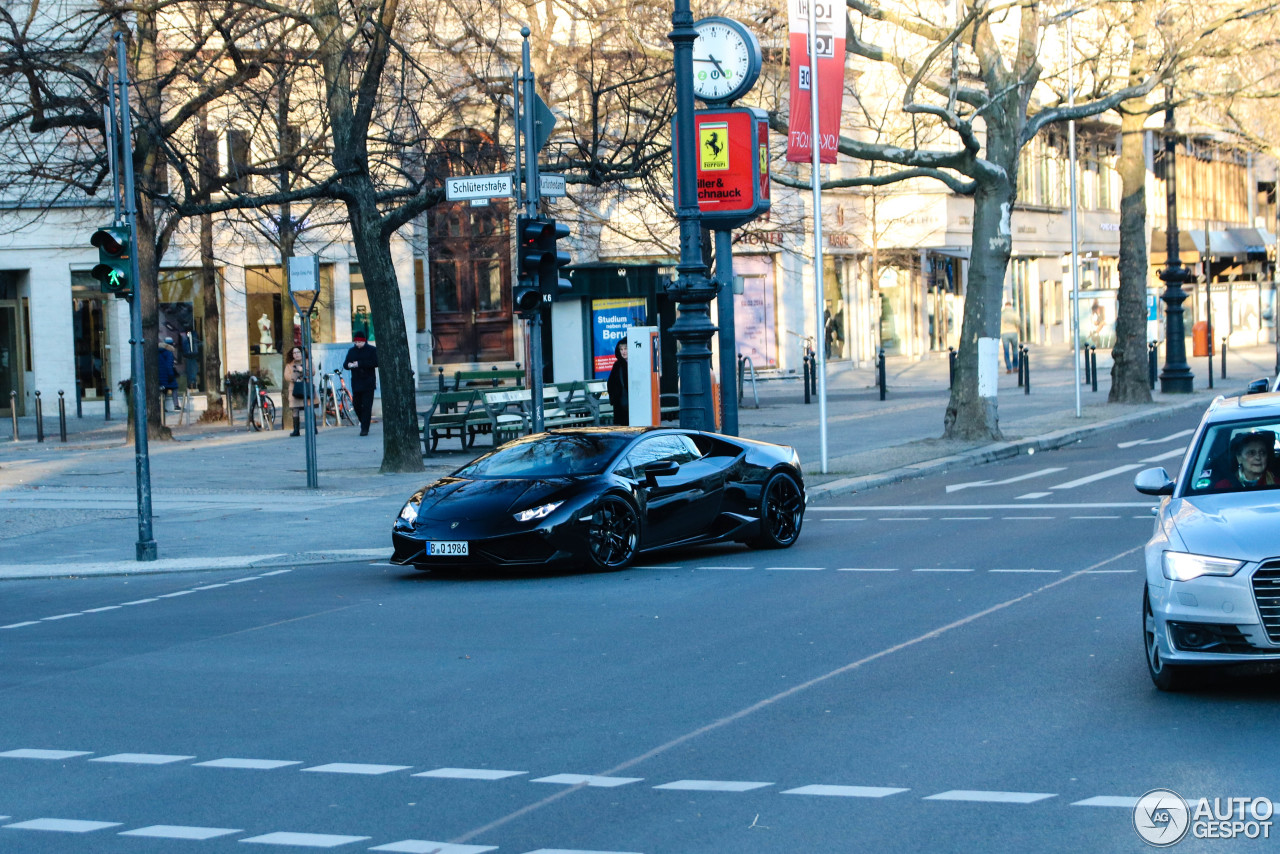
(1153, 482)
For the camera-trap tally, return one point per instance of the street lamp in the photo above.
(692, 290)
(1176, 377)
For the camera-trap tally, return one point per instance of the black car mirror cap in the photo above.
(1154, 481)
(662, 468)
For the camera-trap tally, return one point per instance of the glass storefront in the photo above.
(90, 324)
(273, 325)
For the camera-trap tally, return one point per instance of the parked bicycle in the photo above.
(262, 409)
(338, 405)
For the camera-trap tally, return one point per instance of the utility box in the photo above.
(643, 371)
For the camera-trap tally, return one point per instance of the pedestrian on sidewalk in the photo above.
(167, 374)
(295, 379)
(191, 359)
(362, 361)
(1009, 336)
(617, 385)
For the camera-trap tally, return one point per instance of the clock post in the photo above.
(692, 290)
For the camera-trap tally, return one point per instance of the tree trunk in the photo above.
(211, 343)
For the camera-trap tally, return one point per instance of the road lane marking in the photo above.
(1095, 517)
(846, 519)
(63, 825)
(939, 569)
(965, 518)
(178, 831)
(253, 764)
(990, 797)
(279, 572)
(470, 773)
(845, 791)
(1109, 571)
(33, 753)
(866, 569)
(1159, 458)
(138, 602)
(211, 586)
(1032, 496)
(142, 758)
(1107, 801)
(606, 782)
(305, 840)
(1135, 442)
(904, 519)
(104, 608)
(727, 567)
(888, 508)
(178, 593)
(954, 487)
(60, 617)
(795, 568)
(20, 625)
(575, 851)
(357, 768)
(421, 846)
(713, 785)
(1026, 518)
(1072, 484)
(1046, 571)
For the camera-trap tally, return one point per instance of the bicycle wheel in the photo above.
(269, 412)
(254, 416)
(347, 407)
(330, 415)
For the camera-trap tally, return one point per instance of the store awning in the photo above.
(1240, 244)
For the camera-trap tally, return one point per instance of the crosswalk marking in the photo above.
(1107, 801)
(142, 758)
(1032, 496)
(588, 780)
(305, 840)
(845, 791)
(178, 831)
(421, 846)
(713, 785)
(63, 825)
(254, 764)
(470, 773)
(33, 753)
(357, 768)
(990, 797)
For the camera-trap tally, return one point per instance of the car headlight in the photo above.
(1180, 566)
(409, 513)
(540, 512)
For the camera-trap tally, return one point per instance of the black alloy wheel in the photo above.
(781, 513)
(613, 534)
(1167, 677)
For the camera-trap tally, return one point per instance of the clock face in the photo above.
(726, 60)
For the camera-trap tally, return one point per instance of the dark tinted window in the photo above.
(557, 455)
(674, 447)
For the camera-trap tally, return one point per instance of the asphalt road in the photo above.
(952, 664)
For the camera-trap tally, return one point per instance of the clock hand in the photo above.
(718, 66)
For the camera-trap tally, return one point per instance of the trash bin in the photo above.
(1200, 338)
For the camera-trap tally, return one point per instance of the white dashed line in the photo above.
(866, 569)
(470, 773)
(1109, 571)
(243, 580)
(1168, 455)
(845, 791)
(1072, 484)
(276, 572)
(931, 569)
(63, 825)
(142, 758)
(32, 753)
(713, 785)
(60, 617)
(1107, 801)
(178, 831)
(255, 764)
(421, 846)
(990, 797)
(305, 840)
(587, 780)
(904, 519)
(357, 768)
(1026, 518)
(965, 518)
(139, 602)
(846, 519)
(727, 567)
(1046, 571)
(1032, 496)
(172, 595)
(104, 608)
(1095, 517)
(20, 625)
(211, 586)
(656, 566)
(795, 568)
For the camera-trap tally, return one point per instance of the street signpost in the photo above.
(552, 186)
(478, 187)
(304, 278)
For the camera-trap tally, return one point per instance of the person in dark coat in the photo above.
(167, 373)
(362, 361)
(618, 385)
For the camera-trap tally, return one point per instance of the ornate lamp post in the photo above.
(692, 289)
(1176, 376)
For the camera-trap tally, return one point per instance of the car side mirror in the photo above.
(1262, 385)
(661, 468)
(1153, 482)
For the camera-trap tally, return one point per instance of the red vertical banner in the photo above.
(829, 43)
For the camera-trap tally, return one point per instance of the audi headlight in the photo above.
(540, 512)
(1180, 566)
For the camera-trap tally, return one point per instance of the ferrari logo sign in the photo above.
(713, 146)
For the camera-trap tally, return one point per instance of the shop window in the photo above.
(272, 321)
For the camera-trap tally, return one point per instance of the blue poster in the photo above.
(610, 319)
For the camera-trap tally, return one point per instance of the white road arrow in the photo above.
(956, 487)
(1168, 438)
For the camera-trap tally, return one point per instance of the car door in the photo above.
(681, 505)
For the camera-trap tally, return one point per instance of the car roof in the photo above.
(1245, 406)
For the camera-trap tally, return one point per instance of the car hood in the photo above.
(1245, 526)
(460, 498)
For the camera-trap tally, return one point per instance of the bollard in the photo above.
(1093, 367)
(13, 411)
(1024, 365)
(741, 377)
(880, 374)
(62, 417)
(39, 419)
(1223, 358)
(1211, 360)
(79, 399)
(1021, 371)
(805, 378)
(813, 373)
(1084, 356)
(1152, 360)
(951, 367)
(440, 379)
(106, 405)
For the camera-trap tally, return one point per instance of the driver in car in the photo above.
(1252, 453)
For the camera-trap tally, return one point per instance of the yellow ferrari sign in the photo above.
(713, 146)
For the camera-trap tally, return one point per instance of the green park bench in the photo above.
(447, 418)
(590, 397)
(492, 378)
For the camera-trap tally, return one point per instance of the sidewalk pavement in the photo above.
(224, 497)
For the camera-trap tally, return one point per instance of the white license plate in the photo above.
(447, 548)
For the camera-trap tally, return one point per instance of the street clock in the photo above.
(726, 60)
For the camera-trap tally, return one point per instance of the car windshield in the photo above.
(555, 455)
(1236, 456)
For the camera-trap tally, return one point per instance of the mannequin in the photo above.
(265, 344)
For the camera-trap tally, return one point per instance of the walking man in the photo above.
(362, 361)
(1009, 336)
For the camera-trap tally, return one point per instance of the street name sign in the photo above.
(478, 187)
(551, 185)
(304, 273)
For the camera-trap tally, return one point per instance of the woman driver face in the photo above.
(1253, 458)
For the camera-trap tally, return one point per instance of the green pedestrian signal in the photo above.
(115, 249)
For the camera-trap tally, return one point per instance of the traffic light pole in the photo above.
(146, 545)
(531, 199)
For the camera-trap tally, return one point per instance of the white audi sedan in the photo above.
(1212, 594)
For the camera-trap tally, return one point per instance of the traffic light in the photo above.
(538, 261)
(115, 246)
